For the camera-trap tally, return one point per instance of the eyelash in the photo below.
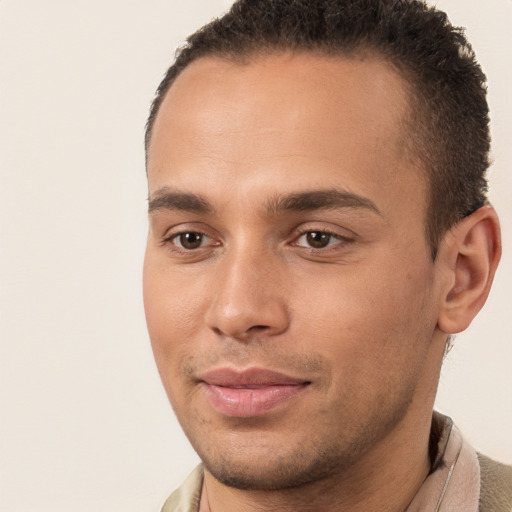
(339, 239)
(170, 240)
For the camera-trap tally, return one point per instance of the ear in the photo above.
(468, 256)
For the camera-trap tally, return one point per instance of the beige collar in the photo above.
(453, 485)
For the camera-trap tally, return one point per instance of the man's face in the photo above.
(289, 290)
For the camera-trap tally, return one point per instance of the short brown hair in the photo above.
(449, 126)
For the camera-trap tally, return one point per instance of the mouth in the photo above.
(251, 392)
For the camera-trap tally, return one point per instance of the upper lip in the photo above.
(230, 377)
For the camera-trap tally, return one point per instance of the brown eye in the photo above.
(190, 240)
(318, 239)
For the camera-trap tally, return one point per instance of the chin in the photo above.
(277, 469)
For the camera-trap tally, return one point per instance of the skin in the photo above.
(362, 320)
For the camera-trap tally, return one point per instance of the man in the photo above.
(319, 229)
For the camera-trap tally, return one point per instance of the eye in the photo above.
(318, 239)
(190, 240)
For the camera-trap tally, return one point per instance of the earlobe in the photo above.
(469, 254)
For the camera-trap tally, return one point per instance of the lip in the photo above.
(250, 392)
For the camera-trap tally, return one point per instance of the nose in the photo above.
(248, 300)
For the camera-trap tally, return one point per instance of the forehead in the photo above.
(275, 89)
(320, 118)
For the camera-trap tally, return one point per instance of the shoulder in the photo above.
(495, 485)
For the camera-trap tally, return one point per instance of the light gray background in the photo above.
(84, 423)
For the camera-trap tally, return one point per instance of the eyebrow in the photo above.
(320, 200)
(167, 199)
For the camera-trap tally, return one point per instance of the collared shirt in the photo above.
(453, 484)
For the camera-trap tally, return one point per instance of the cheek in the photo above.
(368, 320)
(173, 311)
(171, 325)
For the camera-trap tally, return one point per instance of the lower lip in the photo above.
(247, 402)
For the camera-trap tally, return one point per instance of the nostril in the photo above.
(258, 327)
